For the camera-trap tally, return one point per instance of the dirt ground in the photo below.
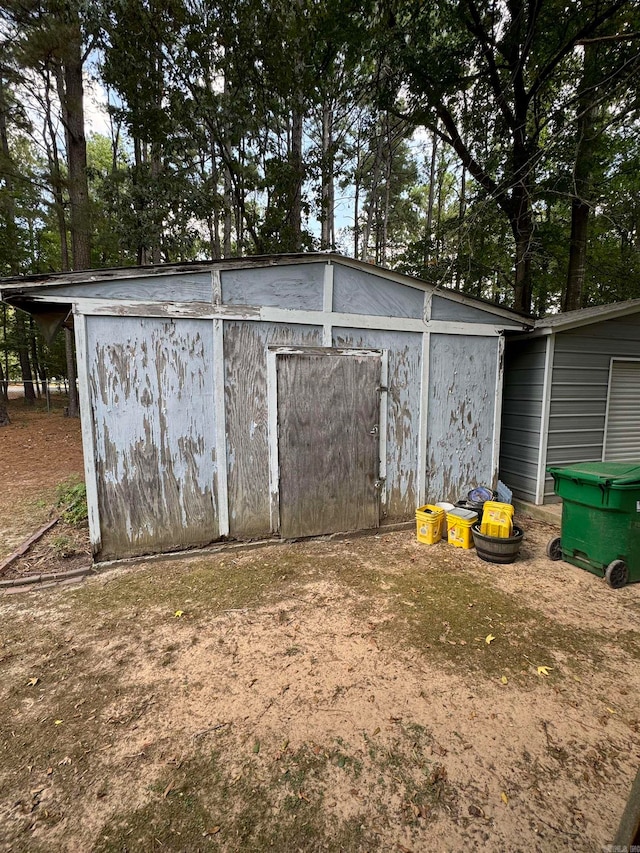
(357, 695)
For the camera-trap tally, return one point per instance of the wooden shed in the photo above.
(572, 394)
(291, 396)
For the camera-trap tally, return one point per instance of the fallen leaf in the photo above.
(256, 747)
(376, 731)
(611, 711)
(57, 722)
(476, 811)
(489, 639)
(504, 679)
(178, 614)
(32, 682)
(213, 831)
(544, 670)
(579, 680)
(170, 787)
(504, 798)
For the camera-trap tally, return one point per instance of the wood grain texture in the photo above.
(403, 413)
(181, 287)
(152, 400)
(359, 292)
(245, 353)
(327, 442)
(461, 415)
(296, 286)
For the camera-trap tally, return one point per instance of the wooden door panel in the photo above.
(328, 409)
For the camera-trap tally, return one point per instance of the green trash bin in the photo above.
(600, 519)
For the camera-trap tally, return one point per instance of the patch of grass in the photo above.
(71, 499)
(263, 806)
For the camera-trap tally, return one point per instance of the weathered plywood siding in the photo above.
(461, 415)
(403, 413)
(297, 286)
(151, 391)
(180, 287)
(245, 355)
(522, 415)
(579, 389)
(448, 309)
(328, 442)
(359, 292)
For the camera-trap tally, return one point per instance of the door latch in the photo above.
(374, 430)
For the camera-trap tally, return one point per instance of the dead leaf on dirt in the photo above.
(612, 711)
(476, 811)
(32, 682)
(170, 787)
(404, 849)
(64, 762)
(504, 798)
(178, 614)
(544, 670)
(213, 831)
(504, 679)
(489, 639)
(57, 722)
(376, 731)
(256, 747)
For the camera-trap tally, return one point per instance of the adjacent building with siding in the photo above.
(276, 396)
(571, 394)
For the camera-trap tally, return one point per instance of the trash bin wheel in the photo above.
(617, 574)
(554, 548)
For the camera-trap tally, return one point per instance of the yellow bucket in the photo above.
(459, 523)
(497, 520)
(429, 524)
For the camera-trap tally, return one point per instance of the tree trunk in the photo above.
(23, 356)
(4, 415)
(572, 298)
(74, 409)
(71, 93)
(430, 204)
(295, 206)
(327, 192)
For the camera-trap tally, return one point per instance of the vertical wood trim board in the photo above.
(88, 439)
(497, 413)
(384, 405)
(272, 432)
(221, 427)
(547, 383)
(423, 419)
(327, 305)
(216, 287)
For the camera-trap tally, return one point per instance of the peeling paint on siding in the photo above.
(152, 399)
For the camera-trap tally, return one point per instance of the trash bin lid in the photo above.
(601, 473)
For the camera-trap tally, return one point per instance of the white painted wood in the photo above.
(272, 423)
(221, 427)
(205, 311)
(497, 413)
(428, 301)
(423, 420)
(383, 427)
(216, 287)
(547, 383)
(88, 439)
(327, 305)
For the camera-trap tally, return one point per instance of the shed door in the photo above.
(622, 441)
(328, 441)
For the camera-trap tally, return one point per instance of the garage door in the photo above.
(622, 431)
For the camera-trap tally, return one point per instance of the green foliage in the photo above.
(71, 499)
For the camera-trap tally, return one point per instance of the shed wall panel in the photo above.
(579, 390)
(448, 309)
(403, 412)
(297, 286)
(151, 390)
(182, 287)
(245, 356)
(461, 415)
(358, 292)
(522, 415)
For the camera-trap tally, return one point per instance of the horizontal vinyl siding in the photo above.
(522, 415)
(581, 365)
